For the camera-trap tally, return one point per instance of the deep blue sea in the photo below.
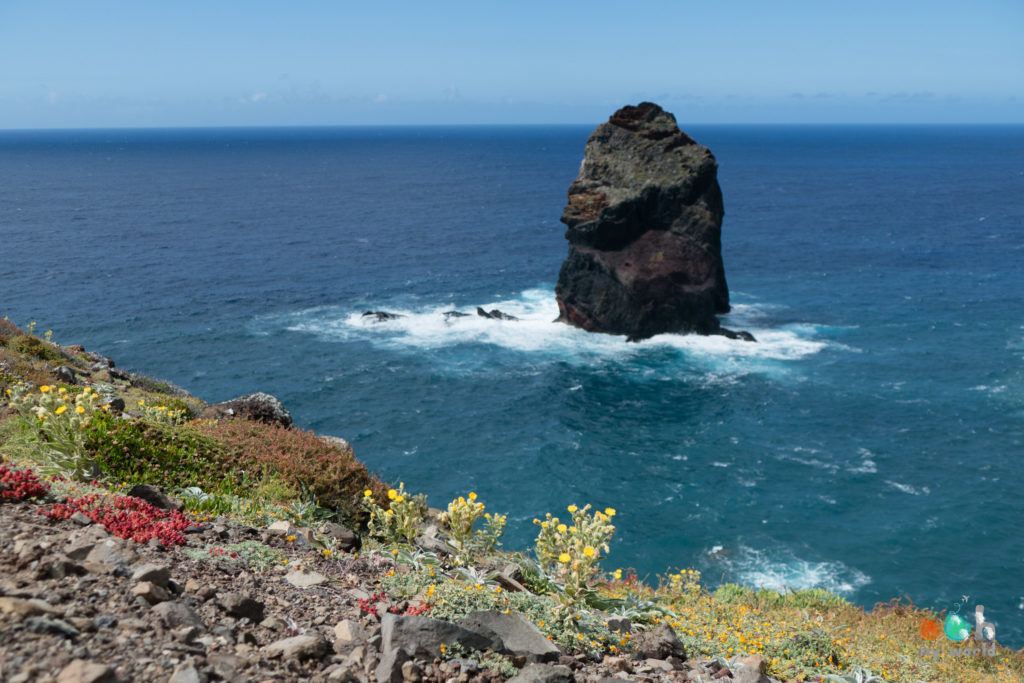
(871, 443)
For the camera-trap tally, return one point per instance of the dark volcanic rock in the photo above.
(381, 316)
(644, 228)
(494, 314)
(155, 497)
(660, 643)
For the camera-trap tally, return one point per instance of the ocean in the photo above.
(870, 443)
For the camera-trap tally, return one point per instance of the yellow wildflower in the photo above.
(573, 508)
(60, 410)
(368, 493)
(610, 512)
(562, 528)
(588, 551)
(472, 496)
(79, 409)
(45, 389)
(392, 494)
(564, 558)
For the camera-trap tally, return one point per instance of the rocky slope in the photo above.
(102, 582)
(78, 604)
(644, 228)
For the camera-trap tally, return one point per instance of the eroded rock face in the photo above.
(644, 228)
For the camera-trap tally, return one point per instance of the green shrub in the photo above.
(401, 521)
(36, 348)
(324, 472)
(461, 515)
(252, 554)
(52, 428)
(141, 452)
(571, 552)
(732, 593)
(451, 599)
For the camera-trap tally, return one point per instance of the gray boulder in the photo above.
(85, 671)
(750, 669)
(241, 606)
(65, 374)
(518, 637)
(543, 673)
(258, 407)
(389, 669)
(308, 646)
(176, 614)
(424, 636)
(659, 643)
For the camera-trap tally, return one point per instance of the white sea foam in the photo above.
(810, 460)
(424, 327)
(867, 464)
(997, 389)
(781, 570)
(907, 488)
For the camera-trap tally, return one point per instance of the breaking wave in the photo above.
(423, 327)
(781, 570)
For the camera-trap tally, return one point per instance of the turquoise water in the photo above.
(869, 443)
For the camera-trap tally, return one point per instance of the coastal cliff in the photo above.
(278, 556)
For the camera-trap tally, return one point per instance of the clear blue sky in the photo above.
(112, 63)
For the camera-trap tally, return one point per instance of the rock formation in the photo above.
(258, 407)
(644, 228)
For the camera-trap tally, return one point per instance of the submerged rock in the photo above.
(381, 316)
(494, 314)
(644, 228)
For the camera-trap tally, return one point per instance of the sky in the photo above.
(150, 63)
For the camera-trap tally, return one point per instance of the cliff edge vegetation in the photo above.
(147, 535)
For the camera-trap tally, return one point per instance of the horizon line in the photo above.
(777, 124)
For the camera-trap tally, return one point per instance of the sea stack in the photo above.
(644, 228)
